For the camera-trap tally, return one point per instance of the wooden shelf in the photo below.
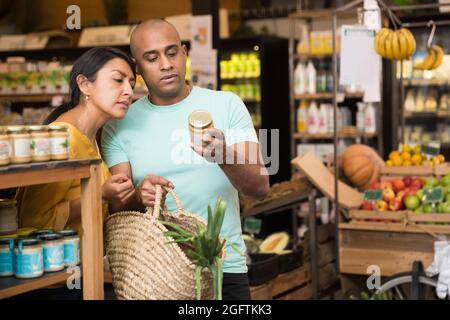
(30, 98)
(306, 136)
(327, 95)
(11, 286)
(424, 114)
(425, 82)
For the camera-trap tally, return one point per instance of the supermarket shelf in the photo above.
(11, 286)
(27, 98)
(306, 136)
(327, 95)
(425, 82)
(427, 115)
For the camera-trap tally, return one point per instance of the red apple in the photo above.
(388, 194)
(374, 186)
(398, 185)
(407, 181)
(411, 192)
(402, 194)
(382, 205)
(386, 185)
(367, 205)
(395, 204)
(417, 183)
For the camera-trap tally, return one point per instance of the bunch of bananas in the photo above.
(432, 60)
(395, 45)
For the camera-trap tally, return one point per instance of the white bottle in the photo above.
(360, 117)
(311, 74)
(330, 113)
(340, 122)
(369, 119)
(313, 119)
(323, 119)
(299, 79)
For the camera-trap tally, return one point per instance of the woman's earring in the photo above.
(87, 97)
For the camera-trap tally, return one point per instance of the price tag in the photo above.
(434, 195)
(252, 225)
(431, 149)
(373, 195)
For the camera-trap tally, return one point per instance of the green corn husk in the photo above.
(205, 246)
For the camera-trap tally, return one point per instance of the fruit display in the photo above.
(275, 243)
(410, 155)
(432, 60)
(395, 45)
(409, 194)
(361, 165)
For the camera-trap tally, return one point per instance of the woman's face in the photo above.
(112, 89)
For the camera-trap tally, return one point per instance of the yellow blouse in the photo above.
(47, 205)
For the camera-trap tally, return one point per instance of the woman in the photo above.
(101, 88)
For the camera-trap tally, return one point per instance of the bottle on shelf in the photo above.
(360, 117)
(311, 75)
(329, 77)
(321, 79)
(302, 117)
(313, 119)
(303, 44)
(370, 119)
(323, 119)
(299, 79)
(410, 104)
(330, 114)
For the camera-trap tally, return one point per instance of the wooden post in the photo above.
(92, 235)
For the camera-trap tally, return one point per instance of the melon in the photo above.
(361, 165)
(275, 243)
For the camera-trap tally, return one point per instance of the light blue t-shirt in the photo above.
(156, 140)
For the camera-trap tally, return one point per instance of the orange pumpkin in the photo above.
(361, 165)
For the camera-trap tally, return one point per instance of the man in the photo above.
(154, 138)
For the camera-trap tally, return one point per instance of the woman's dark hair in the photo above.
(88, 64)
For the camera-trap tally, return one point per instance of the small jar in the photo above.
(5, 147)
(41, 232)
(8, 216)
(199, 121)
(59, 142)
(20, 144)
(6, 257)
(71, 247)
(53, 245)
(40, 143)
(28, 258)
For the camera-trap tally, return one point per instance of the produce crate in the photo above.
(442, 169)
(390, 240)
(391, 173)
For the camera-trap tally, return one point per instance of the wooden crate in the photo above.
(390, 173)
(384, 239)
(442, 169)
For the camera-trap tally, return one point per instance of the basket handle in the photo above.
(155, 211)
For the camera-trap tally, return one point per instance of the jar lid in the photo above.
(7, 203)
(4, 241)
(28, 241)
(38, 128)
(17, 129)
(200, 119)
(41, 232)
(50, 237)
(68, 232)
(57, 127)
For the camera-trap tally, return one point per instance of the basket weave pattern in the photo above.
(143, 265)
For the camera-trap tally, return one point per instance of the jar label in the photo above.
(40, 147)
(22, 148)
(29, 264)
(53, 257)
(59, 145)
(6, 262)
(72, 253)
(5, 150)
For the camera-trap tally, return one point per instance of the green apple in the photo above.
(446, 208)
(432, 182)
(445, 181)
(440, 207)
(447, 197)
(412, 202)
(419, 209)
(420, 194)
(428, 208)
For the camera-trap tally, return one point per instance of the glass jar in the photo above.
(40, 232)
(199, 121)
(8, 216)
(28, 258)
(59, 142)
(53, 245)
(20, 144)
(6, 257)
(40, 143)
(71, 247)
(5, 147)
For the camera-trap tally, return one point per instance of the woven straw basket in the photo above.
(143, 264)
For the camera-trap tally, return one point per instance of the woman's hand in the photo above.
(147, 189)
(117, 189)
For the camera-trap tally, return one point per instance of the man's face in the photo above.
(161, 60)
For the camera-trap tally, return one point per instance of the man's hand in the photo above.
(211, 145)
(147, 189)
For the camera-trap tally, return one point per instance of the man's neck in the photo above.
(167, 101)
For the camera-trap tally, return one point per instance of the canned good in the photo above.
(53, 246)
(8, 216)
(199, 121)
(40, 143)
(28, 258)
(5, 147)
(6, 257)
(20, 144)
(59, 142)
(71, 247)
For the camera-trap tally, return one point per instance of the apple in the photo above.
(420, 193)
(412, 202)
(395, 204)
(419, 210)
(417, 183)
(432, 182)
(411, 192)
(447, 198)
(382, 205)
(407, 181)
(374, 186)
(367, 205)
(428, 208)
(388, 194)
(445, 181)
(398, 185)
(446, 207)
(386, 185)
